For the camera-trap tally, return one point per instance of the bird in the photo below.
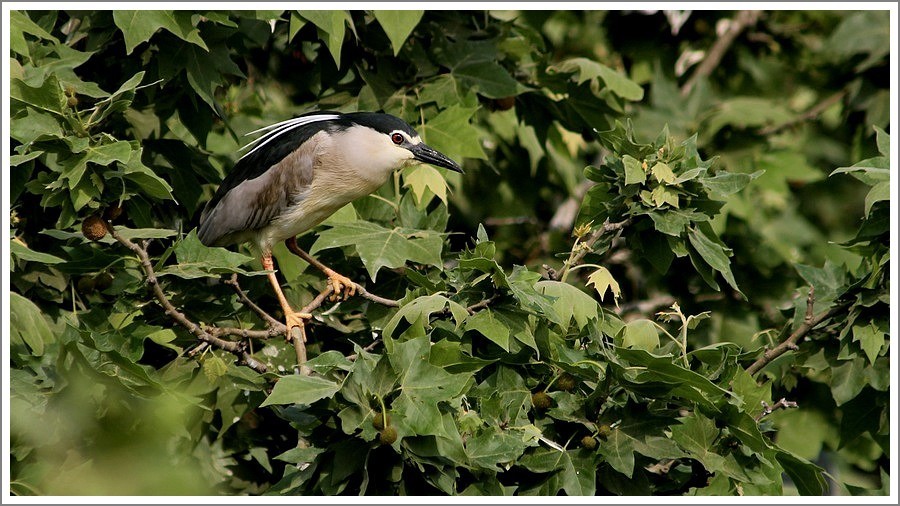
(301, 171)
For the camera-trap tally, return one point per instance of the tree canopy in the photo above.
(665, 271)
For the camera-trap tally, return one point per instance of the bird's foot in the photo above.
(296, 320)
(342, 286)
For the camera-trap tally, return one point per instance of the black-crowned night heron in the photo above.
(300, 172)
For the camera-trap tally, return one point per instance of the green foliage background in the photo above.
(703, 211)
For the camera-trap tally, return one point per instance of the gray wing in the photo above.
(253, 203)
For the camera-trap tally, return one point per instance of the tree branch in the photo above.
(236, 348)
(809, 322)
(781, 404)
(812, 113)
(272, 322)
(743, 20)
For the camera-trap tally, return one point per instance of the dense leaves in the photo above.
(655, 277)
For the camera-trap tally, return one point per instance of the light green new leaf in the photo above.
(634, 173)
(490, 327)
(398, 25)
(379, 247)
(641, 334)
(603, 280)
(139, 26)
(425, 177)
(27, 324)
(663, 173)
(299, 389)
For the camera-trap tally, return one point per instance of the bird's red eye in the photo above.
(397, 138)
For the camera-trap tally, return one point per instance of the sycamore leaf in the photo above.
(425, 177)
(398, 25)
(603, 280)
(379, 247)
(298, 389)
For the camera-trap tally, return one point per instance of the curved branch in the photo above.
(236, 348)
(743, 20)
(809, 323)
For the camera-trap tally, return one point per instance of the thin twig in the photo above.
(233, 282)
(781, 404)
(587, 245)
(812, 113)
(368, 348)
(238, 349)
(743, 20)
(809, 322)
(482, 304)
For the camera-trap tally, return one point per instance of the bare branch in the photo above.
(809, 322)
(743, 20)
(781, 404)
(236, 348)
(810, 114)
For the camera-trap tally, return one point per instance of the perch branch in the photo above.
(809, 322)
(236, 348)
(743, 20)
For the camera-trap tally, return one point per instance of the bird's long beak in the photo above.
(429, 155)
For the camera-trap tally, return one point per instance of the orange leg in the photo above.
(292, 319)
(338, 281)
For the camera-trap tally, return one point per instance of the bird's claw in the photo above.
(295, 320)
(338, 283)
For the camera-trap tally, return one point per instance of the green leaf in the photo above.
(488, 78)
(485, 323)
(379, 247)
(870, 338)
(28, 325)
(19, 25)
(334, 25)
(139, 26)
(880, 192)
(618, 450)
(696, 435)
(589, 70)
(214, 368)
(570, 302)
(603, 280)
(451, 133)
(745, 112)
(198, 261)
(641, 334)
(491, 450)
(22, 252)
(416, 309)
(47, 96)
(728, 183)
(299, 389)
(398, 25)
(808, 477)
(712, 253)
(634, 173)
